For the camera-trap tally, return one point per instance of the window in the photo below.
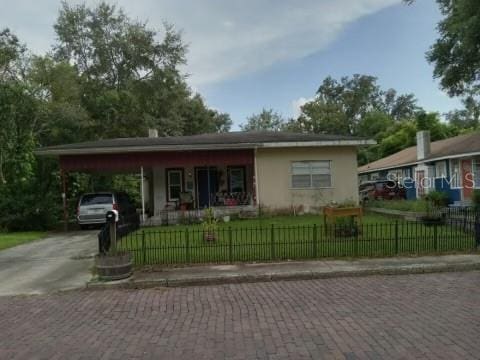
(311, 174)
(236, 180)
(174, 184)
(476, 172)
(440, 169)
(455, 173)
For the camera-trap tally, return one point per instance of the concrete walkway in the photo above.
(221, 274)
(59, 262)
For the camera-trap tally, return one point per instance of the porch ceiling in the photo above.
(133, 161)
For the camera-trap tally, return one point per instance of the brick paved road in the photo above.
(384, 317)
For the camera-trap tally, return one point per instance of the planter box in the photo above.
(114, 267)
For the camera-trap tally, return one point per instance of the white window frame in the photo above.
(444, 172)
(455, 183)
(311, 172)
(169, 185)
(476, 172)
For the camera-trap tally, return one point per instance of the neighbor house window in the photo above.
(440, 169)
(174, 184)
(311, 174)
(236, 179)
(476, 172)
(455, 173)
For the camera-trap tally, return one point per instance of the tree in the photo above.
(265, 120)
(129, 81)
(342, 107)
(106, 46)
(455, 53)
(13, 56)
(468, 117)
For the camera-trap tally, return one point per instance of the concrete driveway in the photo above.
(59, 262)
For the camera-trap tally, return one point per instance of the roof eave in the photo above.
(133, 149)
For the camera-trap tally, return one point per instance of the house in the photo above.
(238, 170)
(451, 165)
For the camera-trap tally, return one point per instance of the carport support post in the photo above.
(63, 176)
(142, 190)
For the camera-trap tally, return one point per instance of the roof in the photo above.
(215, 141)
(468, 144)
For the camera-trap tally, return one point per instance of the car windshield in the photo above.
(96, 199)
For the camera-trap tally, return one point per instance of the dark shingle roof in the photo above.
(215, 140)
(462, 144)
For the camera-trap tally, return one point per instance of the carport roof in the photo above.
(214, 141)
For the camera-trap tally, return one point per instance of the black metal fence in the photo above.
(271, 243)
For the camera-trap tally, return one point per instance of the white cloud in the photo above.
(297, 104)
(227, 38)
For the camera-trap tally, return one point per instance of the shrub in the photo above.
(476, 198)
(437, 198)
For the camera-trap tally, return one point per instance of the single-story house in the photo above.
(271, 169)
(451, 165)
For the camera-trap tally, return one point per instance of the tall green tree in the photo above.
(455, 54)
(130, 82)
(343, 106)
(267, 119)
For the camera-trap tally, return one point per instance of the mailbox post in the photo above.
(112, 220)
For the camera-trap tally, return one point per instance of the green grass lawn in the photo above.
(8, 240)
(288, 237)
(402, 205)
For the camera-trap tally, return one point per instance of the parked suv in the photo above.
(92, 209)
(381, 189)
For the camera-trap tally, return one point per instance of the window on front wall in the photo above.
(236, 179)
(476, 172)
(174, 184)
(311, 174)
(455, 173)
(440, 169)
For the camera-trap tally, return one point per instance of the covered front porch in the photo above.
(178, 185)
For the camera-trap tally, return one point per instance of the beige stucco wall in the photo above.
(274, 177)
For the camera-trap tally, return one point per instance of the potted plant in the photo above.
(435, 201)
(210, 225)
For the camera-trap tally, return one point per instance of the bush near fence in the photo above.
(271, 243)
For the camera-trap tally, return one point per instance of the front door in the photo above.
(206, 179)
(467, 179)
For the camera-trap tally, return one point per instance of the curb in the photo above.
(133, 283)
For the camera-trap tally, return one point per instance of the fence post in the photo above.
(272, 242)
(477, 232)
(357, 230)
(315, 239)
(144, 249)
(187, 246)
(435, 238)
(230, 245)
(396, 237)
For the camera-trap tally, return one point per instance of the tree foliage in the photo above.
(354, 106)
(266, 120)
(455, 54)
(107, 76)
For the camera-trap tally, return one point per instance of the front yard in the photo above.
(8, 240)
(289, 238)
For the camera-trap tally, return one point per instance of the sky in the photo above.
(245, 55)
